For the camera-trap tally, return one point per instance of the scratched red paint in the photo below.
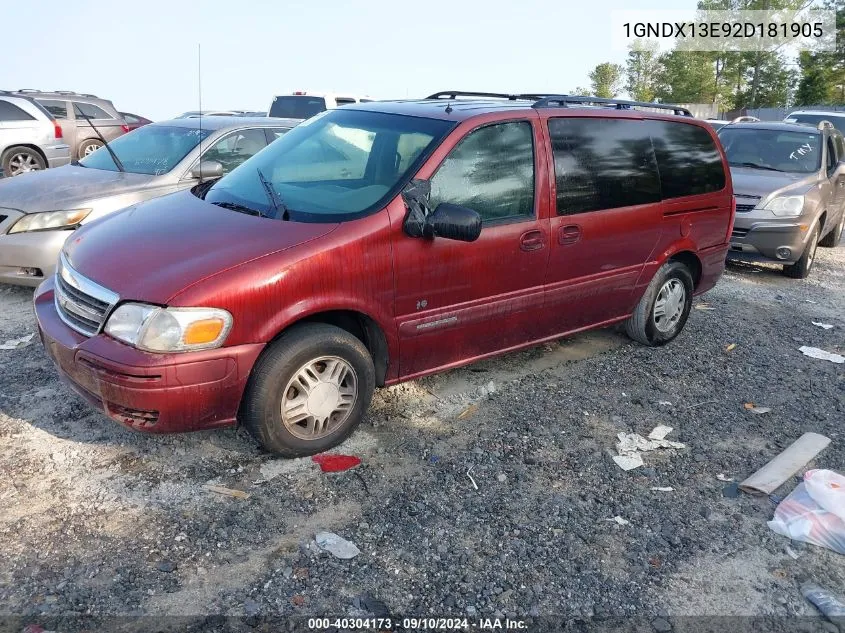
(330, 463)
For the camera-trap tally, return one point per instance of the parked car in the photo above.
(814, 117)
(285, 292)
(789, 181)
(303, 105)
(39, 212)
(30, 138)
(717, 124)
(71, 108)
(133, 121)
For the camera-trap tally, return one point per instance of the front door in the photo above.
(456, 301)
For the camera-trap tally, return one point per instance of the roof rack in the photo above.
(454, 94)
(57, 92)
(565, 101)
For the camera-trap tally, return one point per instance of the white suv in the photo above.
(303, 105)
(814, 117)
(30, 138)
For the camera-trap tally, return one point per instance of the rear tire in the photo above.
(89, 146)
(308, 390)
(20, 160)
(832, 239)
(663, 310)
(801, 269)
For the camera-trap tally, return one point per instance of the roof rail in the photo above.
(565, 101)
(454, 94)
(745, 119)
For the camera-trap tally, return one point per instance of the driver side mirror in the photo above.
(453, 222)
(207, 170)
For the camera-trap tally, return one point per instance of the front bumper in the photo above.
(761, 240)
(34, 250)
(156, 393)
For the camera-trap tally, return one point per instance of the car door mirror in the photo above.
(453, 222)
(207, 170)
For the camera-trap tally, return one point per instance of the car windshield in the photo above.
(777, 150)
(297, 107)
(815, 119)
(152, 149)
(333, 167)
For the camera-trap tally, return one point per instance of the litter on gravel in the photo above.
(474, 485)
(760, 410)
(815, 352)
(831, 605)
(330, 463)
(775, 473)
(662, 488)
(230, 492)
(704, 306)
(17, 343)
(730, 347)
(824, 326)
(723, 477)
(630, 446)
(337, 546)
(619, 520)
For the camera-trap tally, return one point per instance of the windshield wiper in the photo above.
(240, 208)
(275, 199)
(114, 157)
(754, 166)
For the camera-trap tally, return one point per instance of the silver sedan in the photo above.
(38, 211)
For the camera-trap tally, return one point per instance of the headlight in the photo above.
(49, 220)
(155, 329)
(786, 206)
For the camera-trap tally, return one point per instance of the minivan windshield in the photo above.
(333, 167)
(152, 149)
(297, 107)
(772, 150)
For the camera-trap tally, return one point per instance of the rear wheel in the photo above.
(801, 268)
(832, 239)
(20, 160)
(89, 146)
(663, 310)
(308, 390)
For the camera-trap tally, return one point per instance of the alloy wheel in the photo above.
(22, 163)
(669, 305)
(319, 398)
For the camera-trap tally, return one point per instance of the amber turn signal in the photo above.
(201, 332)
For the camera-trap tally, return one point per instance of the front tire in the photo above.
(832, 239)
(20, 160)
(663, 310)
(801, 269)
(308, 391)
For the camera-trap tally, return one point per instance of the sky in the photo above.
(143, 55)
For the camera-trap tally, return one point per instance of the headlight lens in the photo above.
(786, 206)
(155, 329)
(49, 220)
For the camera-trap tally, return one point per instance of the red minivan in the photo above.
(381, 242)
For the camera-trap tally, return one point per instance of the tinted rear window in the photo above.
(297, 107)
(11, 112)
(687, 158)
(602, 164)
(55, 107)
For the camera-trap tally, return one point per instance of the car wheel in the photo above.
(20, 160)
(308, 390)
(801, 268)
(832, 239)
(89, 146)
(663, 310)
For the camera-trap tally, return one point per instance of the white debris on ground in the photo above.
(630, 446)
(824, 326)
(17, 343)
(336, 545)
(815, 352)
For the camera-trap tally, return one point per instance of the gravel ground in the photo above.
(99, 520)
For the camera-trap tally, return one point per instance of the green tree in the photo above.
(641, 70)
(686, 77)
(606, 80)
(814, 86)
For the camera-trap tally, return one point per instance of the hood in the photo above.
(759, 183)
(152, 251)
(62, 187)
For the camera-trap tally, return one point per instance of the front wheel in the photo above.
(20, 160)
(801, 268)
(309, 390)
(663, 310)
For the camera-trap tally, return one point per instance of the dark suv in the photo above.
(380, 242)
(70, 109)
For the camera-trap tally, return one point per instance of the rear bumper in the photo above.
(57, 155)
(35, 250)
(760, 242)
(155, 393)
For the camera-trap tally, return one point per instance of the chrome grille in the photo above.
(81, 303)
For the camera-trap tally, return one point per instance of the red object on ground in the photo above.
(335, 463)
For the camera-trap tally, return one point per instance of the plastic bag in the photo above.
(415, 194)
(811, 512)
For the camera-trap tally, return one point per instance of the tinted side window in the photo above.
(687, 158)
(233, 149)
(57, 108)
(11, 112)
(831, 156)
(840, 146)
(491, 170)
(602, 164)
(90, 110)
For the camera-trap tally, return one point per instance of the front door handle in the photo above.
(569, 234)
(532, 241)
